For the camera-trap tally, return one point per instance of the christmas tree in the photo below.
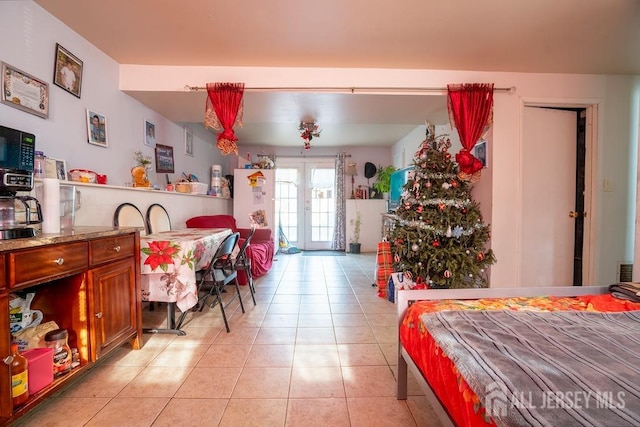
(439, 236)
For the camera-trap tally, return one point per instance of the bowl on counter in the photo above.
(83, 175)
(183, 187)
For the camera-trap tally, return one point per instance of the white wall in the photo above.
(29, 36)
(99, 202)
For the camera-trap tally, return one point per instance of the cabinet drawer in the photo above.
(46, 263)
(110, 248)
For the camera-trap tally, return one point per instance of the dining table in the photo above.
(169, 261)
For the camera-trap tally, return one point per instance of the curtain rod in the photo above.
(509, 90)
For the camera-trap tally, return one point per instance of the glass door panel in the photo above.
(305, 202)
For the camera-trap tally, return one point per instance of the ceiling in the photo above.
(542, 36)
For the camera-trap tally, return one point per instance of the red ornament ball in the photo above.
(435, 244)
(447, 274)
(480, 256)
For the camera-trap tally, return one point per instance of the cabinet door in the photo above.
(6, 405)
(113, 306)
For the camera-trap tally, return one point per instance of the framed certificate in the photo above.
(24, 92)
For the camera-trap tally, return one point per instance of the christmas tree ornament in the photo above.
(480, 256)
(447, 274)
(415, 247)
(446, 185)
(435, 244)
(428, 184)
(448, 233)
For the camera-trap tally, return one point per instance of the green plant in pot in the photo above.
(354, 242)
(383, 180)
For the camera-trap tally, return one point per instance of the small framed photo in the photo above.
(149, 133)
(67, 71)
(480, 152)
(97, 128)
(56, 168)
(188, 141)
(164, 159)
(24, 92)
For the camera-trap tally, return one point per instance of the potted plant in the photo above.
(354, 243)
(383, 180)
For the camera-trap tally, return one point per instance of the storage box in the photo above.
(199, 187)
(40, 368)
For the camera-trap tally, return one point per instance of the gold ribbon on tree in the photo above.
(223, 111)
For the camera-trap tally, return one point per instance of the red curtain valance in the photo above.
(223, 111)
(470, 112)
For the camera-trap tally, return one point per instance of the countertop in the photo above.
(65, 236)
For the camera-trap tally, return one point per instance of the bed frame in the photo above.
(404, 298)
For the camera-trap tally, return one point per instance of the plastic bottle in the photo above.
(19, 377)
(39, 165)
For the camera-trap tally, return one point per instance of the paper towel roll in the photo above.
(51, 205)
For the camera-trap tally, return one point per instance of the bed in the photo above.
(530, 356)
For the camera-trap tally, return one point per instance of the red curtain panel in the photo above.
(470, 109)
(223, 111)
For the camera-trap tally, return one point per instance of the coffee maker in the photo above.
(17, 151)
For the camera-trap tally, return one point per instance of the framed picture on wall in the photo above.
(149, 133)
(97, 128)
(56, 168)
(23, 91)
(480, 152)
(188, 141)
(67, 71)
(164, 159)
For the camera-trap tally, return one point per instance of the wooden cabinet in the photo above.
(87, 282)
(113, 307)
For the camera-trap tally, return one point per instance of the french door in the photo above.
(305, 201)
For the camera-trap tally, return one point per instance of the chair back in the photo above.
(157, 219)
(128, 215)
(243, 249)
(226, 247)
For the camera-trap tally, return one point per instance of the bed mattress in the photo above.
(448, 381)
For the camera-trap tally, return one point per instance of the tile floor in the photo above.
(319, 349)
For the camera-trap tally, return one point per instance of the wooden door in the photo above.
(548, 197)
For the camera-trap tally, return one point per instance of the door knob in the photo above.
(573, 214)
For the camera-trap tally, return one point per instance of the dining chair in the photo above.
(128, 215)
(157, 219)
(218, 274)
(242, 262)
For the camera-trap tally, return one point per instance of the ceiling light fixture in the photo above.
(309, 130)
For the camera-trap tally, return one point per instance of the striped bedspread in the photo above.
(546, 368)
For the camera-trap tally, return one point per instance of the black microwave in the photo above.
(17, 150)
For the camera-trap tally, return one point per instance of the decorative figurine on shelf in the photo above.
(139, 172)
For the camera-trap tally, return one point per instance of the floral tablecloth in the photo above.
(169, 261)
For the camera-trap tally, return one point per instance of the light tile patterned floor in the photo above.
(319, 349)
